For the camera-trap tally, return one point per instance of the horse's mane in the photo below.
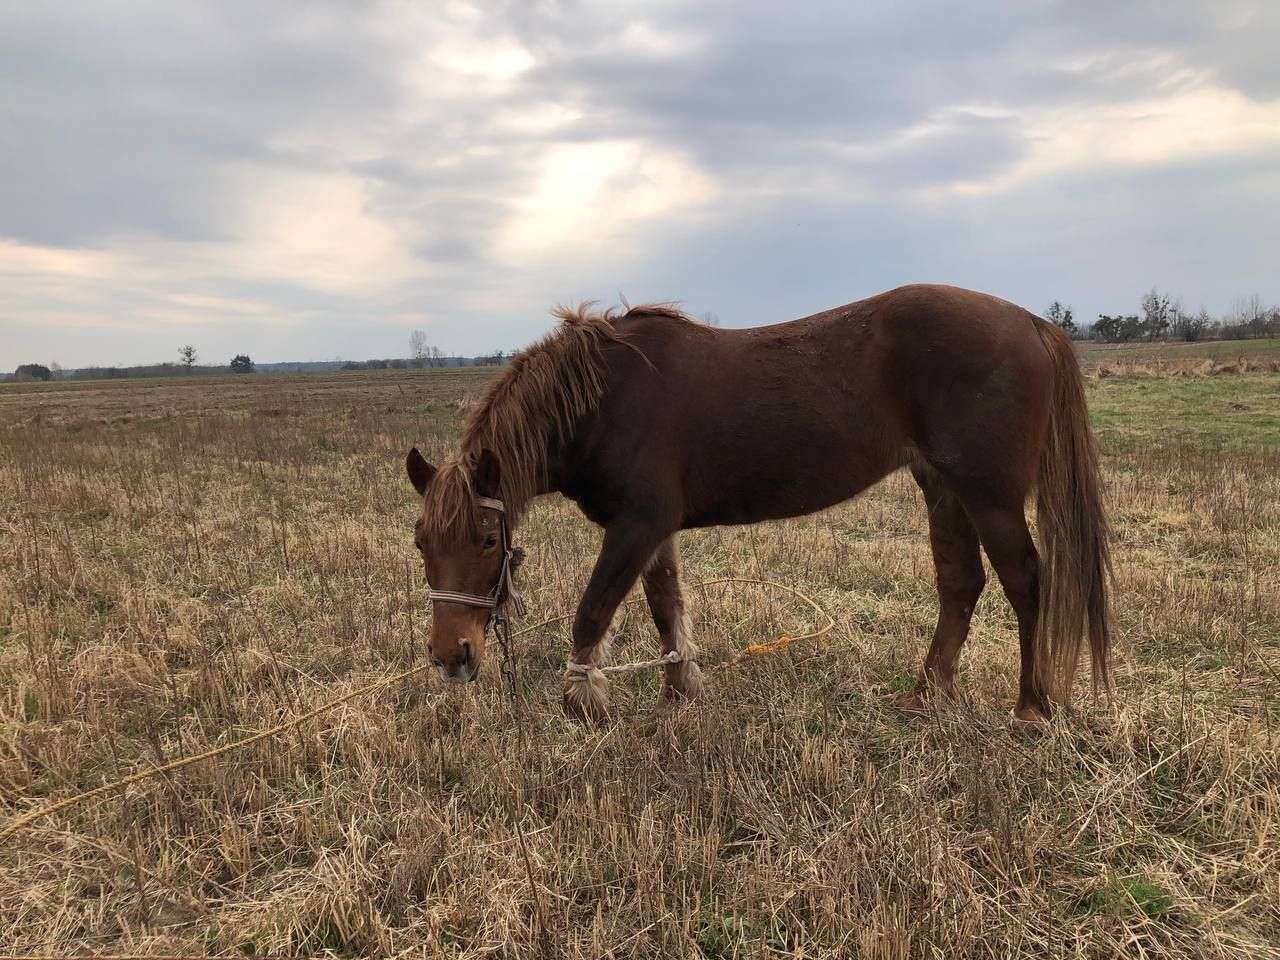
(529, 410)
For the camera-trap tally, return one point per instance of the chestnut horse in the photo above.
(653, 423)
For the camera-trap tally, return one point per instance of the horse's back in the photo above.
(747, 424)
(898, 347)
(914, 317)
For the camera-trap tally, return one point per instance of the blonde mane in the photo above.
(527, 412)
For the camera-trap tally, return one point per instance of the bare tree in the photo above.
(418, 344)
(1157, 314)
(188, 355)
(1249, 314)
(1187, 326)
(55, 368)
(710, 319)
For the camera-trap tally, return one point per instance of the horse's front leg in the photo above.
(666, 602)
(628, 546)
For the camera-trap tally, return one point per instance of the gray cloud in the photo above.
(319, 180)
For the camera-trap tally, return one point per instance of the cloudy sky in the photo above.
(311, 180)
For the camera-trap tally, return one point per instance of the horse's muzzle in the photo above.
(462, 667)
(459, 675)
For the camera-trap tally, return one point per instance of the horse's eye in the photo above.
(490, 541)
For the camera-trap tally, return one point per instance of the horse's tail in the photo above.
(1075, 565)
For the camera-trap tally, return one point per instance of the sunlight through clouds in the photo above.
(316, 230)
(588, 193)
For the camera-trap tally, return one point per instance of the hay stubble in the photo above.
(181, 569)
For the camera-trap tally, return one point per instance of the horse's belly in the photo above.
(790, 485)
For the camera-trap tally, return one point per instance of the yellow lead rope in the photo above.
(756, 648)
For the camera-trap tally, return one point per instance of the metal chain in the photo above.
(502, 630)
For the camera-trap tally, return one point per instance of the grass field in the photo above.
(185, 563)
(1203, 357)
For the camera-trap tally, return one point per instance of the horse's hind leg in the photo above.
(1003, 529)
(960, 578)
(666, 603)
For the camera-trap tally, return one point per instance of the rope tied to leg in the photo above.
(578, 672)
(582, 671)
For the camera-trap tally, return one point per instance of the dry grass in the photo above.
(179, 569)
(1201, 359)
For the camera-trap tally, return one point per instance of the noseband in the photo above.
(504, 591)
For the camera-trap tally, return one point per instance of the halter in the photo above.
(503, 591)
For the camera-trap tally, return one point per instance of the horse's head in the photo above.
(464, 540)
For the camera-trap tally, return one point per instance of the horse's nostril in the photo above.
(466, 652)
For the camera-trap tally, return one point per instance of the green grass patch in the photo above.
(721, 933)
(1236, 412)
(1130, 896)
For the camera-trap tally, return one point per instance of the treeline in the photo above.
(242, 364)
(1163, 316)
(38, 371)
(432, 360)
(142, 370)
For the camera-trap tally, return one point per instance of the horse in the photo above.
(653, 423)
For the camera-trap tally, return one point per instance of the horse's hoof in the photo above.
(586, 698)
(688, 684)
(913, 705)
(1027, 721)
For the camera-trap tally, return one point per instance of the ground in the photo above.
(1178, 357)
(186, 563)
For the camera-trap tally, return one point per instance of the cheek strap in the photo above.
(504, 591)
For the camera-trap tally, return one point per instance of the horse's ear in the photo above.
(420, 472)
(488, 476)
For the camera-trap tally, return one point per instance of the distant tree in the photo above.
(241, 363)
(188, 356)
(55, 368)
(1189, 327)
(1249, 315)
(1157, 314)
(33, 371)
(710, 319)
(1117, 329)
(418, 344)
(1060, 316)
(397, 364)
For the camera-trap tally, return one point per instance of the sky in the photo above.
(315, 180)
